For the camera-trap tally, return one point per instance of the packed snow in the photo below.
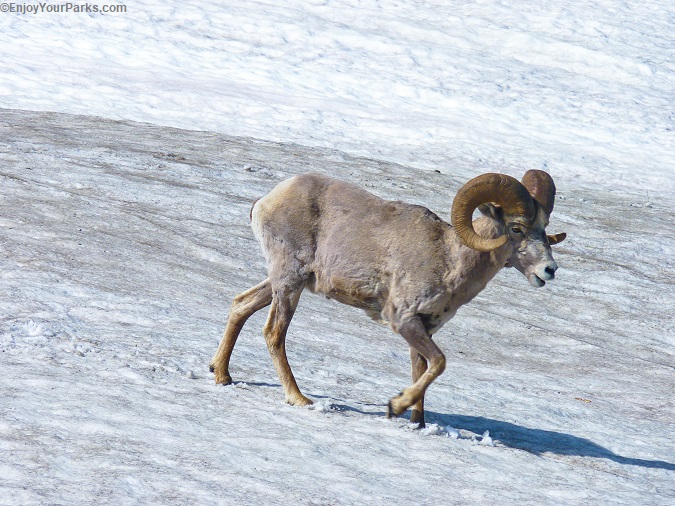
(131, 148)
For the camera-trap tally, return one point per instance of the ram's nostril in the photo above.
(550, 271)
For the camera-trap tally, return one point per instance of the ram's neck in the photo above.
(470, 270)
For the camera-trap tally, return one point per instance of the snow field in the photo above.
(123, 245)
(585, 91)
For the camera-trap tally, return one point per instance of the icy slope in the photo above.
(121, 247)
(585, 90)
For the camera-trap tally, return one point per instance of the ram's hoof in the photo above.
(393, 410)
(221, 377)
(396, 406)
(417, 416)
(299, 400)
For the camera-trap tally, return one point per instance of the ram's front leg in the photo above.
(419, 367)
(414, 332)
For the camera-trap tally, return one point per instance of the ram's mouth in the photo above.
(536, 281)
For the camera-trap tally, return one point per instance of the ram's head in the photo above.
(521, 211)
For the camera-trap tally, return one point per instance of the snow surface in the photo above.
(123, 243)
(586, 90)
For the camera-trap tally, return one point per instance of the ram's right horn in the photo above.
(501, 189)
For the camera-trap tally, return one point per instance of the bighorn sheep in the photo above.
(399, 262)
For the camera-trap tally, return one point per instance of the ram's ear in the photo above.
(557, 238)
(492, 211)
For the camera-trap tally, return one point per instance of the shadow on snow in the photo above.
(535, 441)
(538, 441)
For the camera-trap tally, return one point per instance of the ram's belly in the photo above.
(357, 292)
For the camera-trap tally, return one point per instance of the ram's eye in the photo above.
(517, 230)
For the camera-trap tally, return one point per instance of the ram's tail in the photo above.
(250, 214)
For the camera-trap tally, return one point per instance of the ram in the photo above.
(399, 262)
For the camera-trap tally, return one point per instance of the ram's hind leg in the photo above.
(419, 367)
(284, 303)
(243, 306)
(414, 332)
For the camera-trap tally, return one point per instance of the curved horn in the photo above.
(541, 187)
(501, 189)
